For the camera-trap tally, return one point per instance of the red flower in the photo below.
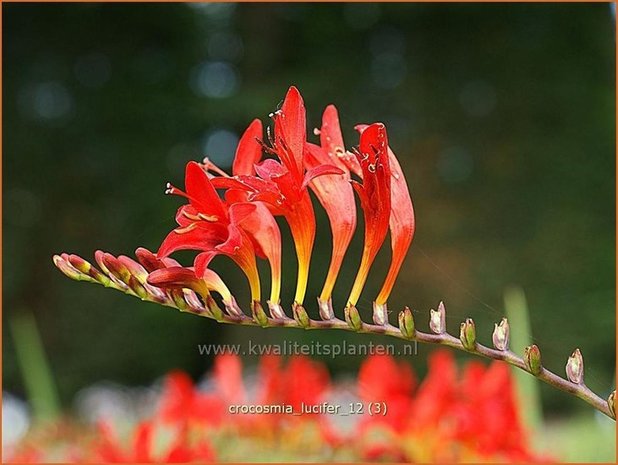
(334, 192)
(211, 226)
(375, 196)
(283, 184)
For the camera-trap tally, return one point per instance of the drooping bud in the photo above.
(500, 336)
(406, 323)
(276, 311)
(85, 267)
(437, 319)
(259, 315)
(68, 270)
(380, 314)
(326, 309)
(467, 334)
(352, 318)
(532, 359)
(611, 403)
(300, 315)
(575, 367)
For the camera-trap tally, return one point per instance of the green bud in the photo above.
(611, 403)
(352, 318)
(213, 307)
(467, 334)
(259, 315)
(300, 315)
(532, 359)
(406, 323)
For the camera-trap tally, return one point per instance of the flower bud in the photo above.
(68, 270)
(352, 318)
(437, 319)
(467, 334)
(259, 316)
(213, 307)
(611, 403)
(326, 309)
(300, 315)
(532, 359)
(406, 323)
(500, 336)
(575, 367)
(86, 268)
(380, 314)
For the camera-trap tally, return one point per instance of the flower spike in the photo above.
(234, 215)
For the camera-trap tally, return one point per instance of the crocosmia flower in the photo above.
(234, 215)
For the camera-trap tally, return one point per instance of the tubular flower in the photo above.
(335, 194)
(207, 224)
(401, 223)
(283, 184)
(375, 197)
(255, 217)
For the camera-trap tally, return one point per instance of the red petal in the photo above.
(201, 192)
(291, 126)
(270, 169)
(332, 141)
(260, 225)
(249, 151)
(173, 277)
(204, 236)
(319, 171)
(401, 224)
(336, 195)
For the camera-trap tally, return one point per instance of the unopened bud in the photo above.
(300, 315)
(500, 336)
(437, 319)
(138, 288)
(380, 314)
(66, 268)
(406, 323)
(213, 307)
(259, 315)
(532, 359)
(575, 367)
(326, 309)
(611, 403)
(467, 334)
(352, 318)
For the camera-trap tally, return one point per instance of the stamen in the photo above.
(186, 229)
(210, 166)
(171, 190)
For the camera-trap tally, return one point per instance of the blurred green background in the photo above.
(502, 116)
